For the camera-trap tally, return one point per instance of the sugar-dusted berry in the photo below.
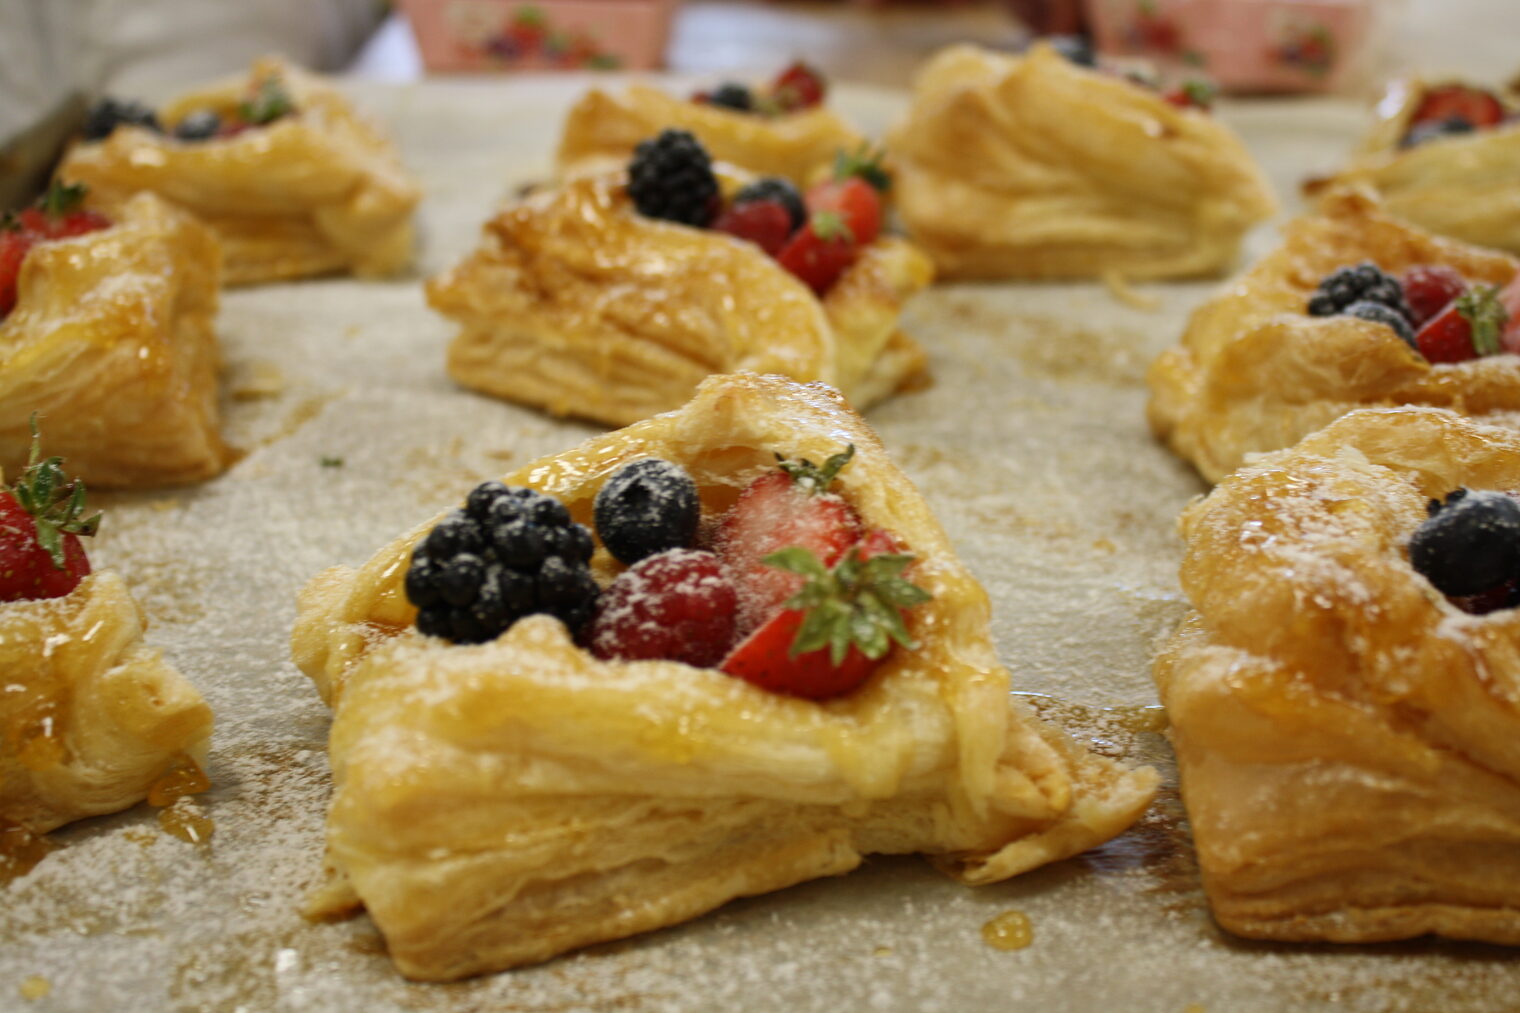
(678, 605)
(647, 506)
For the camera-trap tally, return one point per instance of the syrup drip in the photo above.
(1010, 930)
(177, 814)
(184, 820)
(35, 987)
(20, 850)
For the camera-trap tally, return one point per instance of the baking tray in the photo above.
(1030, 446)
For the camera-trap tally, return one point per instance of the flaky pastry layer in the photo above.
(90, 716)
(1032, 167)
(317, 192)
(499, 804)
(1349, 741)
(577, 304)
(1254, 372)
(111, 344)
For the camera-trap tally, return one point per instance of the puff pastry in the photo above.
(1032, 167)
(316, 192)
(111, 342)
(603, 129)
(1466, 186)
(1253, 372)
(1347, 737)
(502, 803)
(90, 716)
(577, 304)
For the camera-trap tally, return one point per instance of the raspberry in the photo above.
(678, 605)
(108, 114)
(774, 188)
(1380, 314)
(765, 223)
(1361, 283)
(1428, 288)
(1470, 544)
(509, 553)
(671, 178)
(646, 507)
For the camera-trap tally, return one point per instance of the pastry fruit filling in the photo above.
(786, 589)
(57, 214)
(265, 102)
(1431, 307)
(1469, 549)
(42, 518)
(815, 236)
(1453, 110)
(798, 87)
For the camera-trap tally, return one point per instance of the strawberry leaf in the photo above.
(811, 478)
(55, 501)
(830, 227)
(61, 198)
(859, 603)
(270, 101)
(1481, 308)
(864, 162)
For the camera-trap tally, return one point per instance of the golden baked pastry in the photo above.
(603, 129)
(1346, 735)
(90, 717)
(1464, 185)
(316, 191)
(1254, 372)
(501, 803)
(111, 344)
(577, 304)
(1032, 167)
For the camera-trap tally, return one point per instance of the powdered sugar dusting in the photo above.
(1032, 450)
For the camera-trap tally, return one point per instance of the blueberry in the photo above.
(1075, 48)
(1380, 314)
(646, 507)
(1470, 544)
(109, 113)
(201, 125)
(1450, 126)
(730, 95)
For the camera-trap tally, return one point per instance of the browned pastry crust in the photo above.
(111, 344)
(90, 717)
(1032, 167)
(499, 804)
(1349, 740)
(577, 304)
(1466, 186)
(1254, 372)
(317, 192)
(603, 129)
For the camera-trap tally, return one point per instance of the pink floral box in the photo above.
(512, 35)
(1244, 45)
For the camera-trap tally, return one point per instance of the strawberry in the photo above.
(1509, 296)
(14, 244)
(798, 87)
(855, 201)
(41, 521)
(678, 605)
(1467, 328)
(1474, 105)
(766, 223)
(789, 506)
(1428, 288)
(820, 251)
(840, 624)
(1194, 94)
(865, 162)
(56, 215)
(267, 101)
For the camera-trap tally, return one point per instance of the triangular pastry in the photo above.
(603, 129)
(90, 717)
(1032, 167)
(502, 803)
(577, 304)
(1255, 372)
(1346, 735)
(111, 343)
(317, 190)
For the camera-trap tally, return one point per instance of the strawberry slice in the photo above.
(836, 629)
(854, 200)
(1467, 328)
(790, 506)
(41, 520)
(1475, 105)
(820, 251)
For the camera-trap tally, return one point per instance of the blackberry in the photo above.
(783, 191)
(201, 125)
(1362, 283)
(1076, 48)
(510, 552)
(1470, 543)
(730, 95)
(646, 507)
(1437, 128)
(1380, 314)
(108, 114)
(671, 178)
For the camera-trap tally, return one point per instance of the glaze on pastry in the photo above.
(577, 304)
(110, 341)
(1033, 167)
(314, 190)
(1255, 372)
(503, 802)
(1345, 732)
